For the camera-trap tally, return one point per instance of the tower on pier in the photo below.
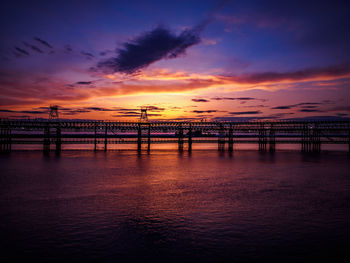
(53, 115)
(143, 116)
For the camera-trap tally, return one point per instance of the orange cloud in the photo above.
(163, 80)
(21, 89)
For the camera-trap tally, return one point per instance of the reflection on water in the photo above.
(174, 146)
(174, 206)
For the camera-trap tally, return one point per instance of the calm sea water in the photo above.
(170, 206)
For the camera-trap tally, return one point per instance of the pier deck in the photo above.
(53, 133)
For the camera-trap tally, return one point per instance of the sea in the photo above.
(170, 205)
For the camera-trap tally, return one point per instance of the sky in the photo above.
(185, 60)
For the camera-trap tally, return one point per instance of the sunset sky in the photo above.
(186, 60)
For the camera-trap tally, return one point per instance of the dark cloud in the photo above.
(268, 117)
(279, 115)
(204, 111)
(200, 100)
(105, 52)
(99, 109)
(126, 115)
(124, 109)
(32, 47)
(342, 114)
(155, 45)
(238, 119)
(32, 111)
(308, 103)
(304, 105)
(90, 109)
(340, 108)
(87, 55)
(309, 107)
(282, 107)
(148, 48)
(118, 110)
(300, 75)
(67, 111)
(245, 112)
(204, 115)
(242, 100)
(75, 111)
(83, 82)
(255, 106)
(43, 42)
(309, 110)
(184, 119)
(155, 108)
(21, 116)
(130, 112)
(22, 51)
(135, 114)
(320, 118)
(68, 48)
(229, 98)
(328, 102)
(152, 114)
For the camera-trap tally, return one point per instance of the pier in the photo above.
(52, 134)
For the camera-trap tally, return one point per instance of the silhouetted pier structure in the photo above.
(54, 133)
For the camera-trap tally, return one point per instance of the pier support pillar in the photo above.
(305, 138)
(95, 137)
(139, 137)
(272, 141)
(221, 138)
(58, 137)
(262, 138)
(230, 138)
(5, 137)
(311, 139)
(149, 138)
(180, 138)
(190, 138)
(47, 135)
(316, 139)
(106, 133)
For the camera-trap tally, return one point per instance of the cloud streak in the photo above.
(304, 105)
(245, 112)
(204, 111)
(43, 42)
(32, 47)
(308, 74)
(22, 51)
(200, 100)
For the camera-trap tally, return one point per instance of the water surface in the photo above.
(203, 206)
